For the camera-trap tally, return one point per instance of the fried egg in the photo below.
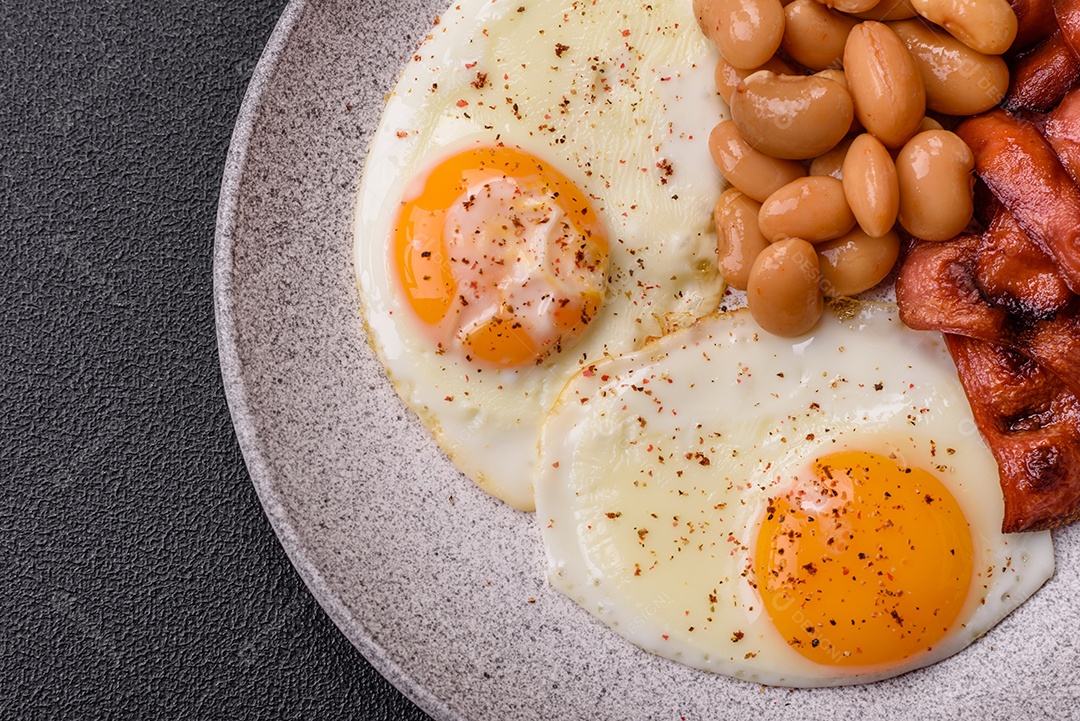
(809, 512)
(536, 198)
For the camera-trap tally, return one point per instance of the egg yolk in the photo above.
(864, 562)
(501, 256)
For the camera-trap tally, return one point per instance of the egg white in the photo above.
(688, 439)
(620, 99)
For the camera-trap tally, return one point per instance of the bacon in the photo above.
(986, 204)
(1067, 14)
(1034, 21)
(1024, 173)
(1062, 131)
(1031, 422)
(1040, 77)
(1014, 274)
(936, 289)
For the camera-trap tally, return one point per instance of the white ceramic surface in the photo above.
(440, 586)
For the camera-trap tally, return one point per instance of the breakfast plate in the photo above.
(439, 585)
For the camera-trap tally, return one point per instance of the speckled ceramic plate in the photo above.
(431, 579)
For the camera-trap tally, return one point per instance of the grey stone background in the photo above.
(139, 576)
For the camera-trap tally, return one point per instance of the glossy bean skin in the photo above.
(884, 81)
(988, 26)
(791, 116)
(929, 123)
(739, 238)
(783, 292)
(814, 35)
(749, 170)
(728, 76)
(852, 6)
(856, 262)
(936, 185)
(837, 76)
(832, 162)
(747, 32)
(958, 80)
(812, 208)
(889, 11)
(871, 185)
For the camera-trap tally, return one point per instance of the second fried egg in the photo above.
(812, 512)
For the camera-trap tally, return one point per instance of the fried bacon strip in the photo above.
(1067, 14)
(1014, 274)
(1062, 131)
(1040, 77)
(1021, 380)
(1031, 422)
(936, 289)
(1034, 21)
(1022, 170)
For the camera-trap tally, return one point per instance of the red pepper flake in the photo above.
(555, 464)
(626, 33)
(664, 636)
(737, 636)
(448, 399)
(462, 103)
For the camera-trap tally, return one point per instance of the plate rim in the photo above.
(233, 379)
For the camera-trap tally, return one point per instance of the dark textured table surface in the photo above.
(141, 579)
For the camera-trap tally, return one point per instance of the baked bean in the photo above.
(740, 239)
(728, 76)
(747, 32)
(852, 6)
(812, 208)
(934, 170)
(856, 262)
(870, 185)
(884, 82)
(814, 35)
(929, 123)
(837, 76)
(834, 74)
(988, 26)
(888, 11)
(958, 80)
(749, 170)
(832, 162)
(784, 292)
(791, 116)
